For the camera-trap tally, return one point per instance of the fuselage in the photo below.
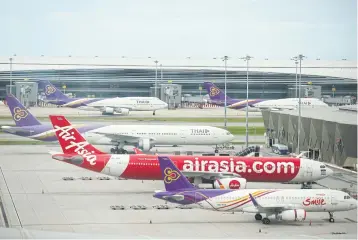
(161, 134)
(310, 200)
(259, 104)
(131, 103)
(253, 169)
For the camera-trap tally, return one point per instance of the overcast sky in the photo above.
(276, 29)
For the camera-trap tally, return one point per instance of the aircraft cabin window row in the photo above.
(173, 134)
(277, 198)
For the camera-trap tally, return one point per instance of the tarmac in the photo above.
(35, 196)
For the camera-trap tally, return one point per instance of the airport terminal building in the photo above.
(111, 77)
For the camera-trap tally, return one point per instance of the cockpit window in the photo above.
(228, 133)
(347, 197)
(323, 166)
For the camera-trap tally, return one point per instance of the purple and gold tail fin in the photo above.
(51, 92)
(215, 93)
(20, 114)
(172, 177)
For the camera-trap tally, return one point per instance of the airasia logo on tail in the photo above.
(67, 136)
(314, 201)
(234, 184)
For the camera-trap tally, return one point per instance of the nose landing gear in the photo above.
(331, 219)
(118, 149)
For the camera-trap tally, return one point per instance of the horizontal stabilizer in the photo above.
(174, 197)
(209, 175)
(15, 130)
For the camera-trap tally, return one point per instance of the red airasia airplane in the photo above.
(225, 172)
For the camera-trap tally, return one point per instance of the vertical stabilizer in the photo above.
(51, 92)
(172, 177)
(20, 114)
(215, 93)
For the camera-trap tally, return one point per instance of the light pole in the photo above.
(156, 77)
(247, 59)
(296, 62)
(300, 58)
(225, 101)
(11, 75)
(161, 73)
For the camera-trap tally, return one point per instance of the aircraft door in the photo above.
(198, 199)
(334, 200)
(182, 136)
(309, 171)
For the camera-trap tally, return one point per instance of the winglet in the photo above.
(254, 201)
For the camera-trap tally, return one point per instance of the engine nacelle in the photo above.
(124, 111)
(292, 215)
(108, 110)
(230, 183)
(145, 144)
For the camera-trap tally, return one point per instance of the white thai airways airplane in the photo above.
(217, 97)
(121, 105)
(146, 137)
(283, 204)
(288, 103)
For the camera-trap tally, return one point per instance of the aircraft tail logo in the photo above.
(49, 89)
(19, 114)
(214, 91)
(170, 175)
(71, 140)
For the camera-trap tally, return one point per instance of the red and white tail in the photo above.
(71, 140)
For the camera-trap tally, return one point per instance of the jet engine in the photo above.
(108, 110)
(145, 144)
(292, 215)
(230, 183)
(124, 111)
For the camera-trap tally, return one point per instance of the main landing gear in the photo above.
(331, 219)
(265, 220)
(216, 149)
(258, 217)
(117, 150)
(307, 185)
(153, 113)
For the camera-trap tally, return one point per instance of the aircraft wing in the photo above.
(14, 130)
(119, 137)
(101, 107)
(208, 175)
(267, 208)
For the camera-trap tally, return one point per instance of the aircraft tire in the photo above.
(266, 221)
(331, 220)
(258, 217)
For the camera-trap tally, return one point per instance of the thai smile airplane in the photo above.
(118, 136)
(121, 105)
(221, 171)
(217, 97)
(282, 204)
